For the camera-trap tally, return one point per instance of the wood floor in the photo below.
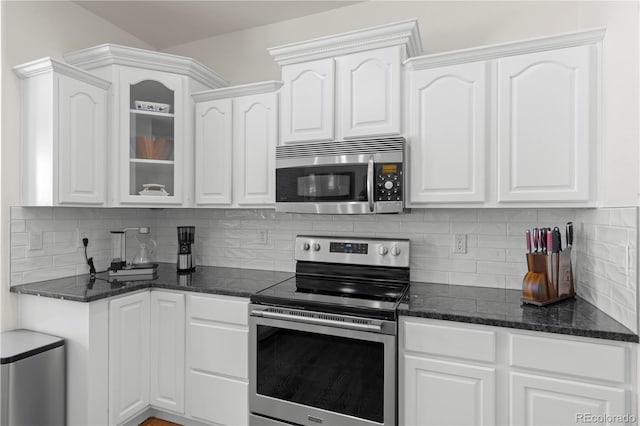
(154, 421)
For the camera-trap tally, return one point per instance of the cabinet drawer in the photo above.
(229, 310)
(584, 359)
(218, 349)
(219, 400)
(444, 340)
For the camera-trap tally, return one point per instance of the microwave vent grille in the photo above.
(351, 147)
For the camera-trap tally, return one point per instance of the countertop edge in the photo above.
(607, 335)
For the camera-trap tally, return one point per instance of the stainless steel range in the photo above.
(323, 343)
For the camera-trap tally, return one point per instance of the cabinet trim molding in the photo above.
(496, 51)
(398, 33)
(113, 54)
(48, 64)
(235, 91)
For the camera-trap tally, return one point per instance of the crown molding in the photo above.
(48, 64)
(113, 54)
(501, 50)
(405, 33)
(234, 91)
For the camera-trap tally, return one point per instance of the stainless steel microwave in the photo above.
(341, 177)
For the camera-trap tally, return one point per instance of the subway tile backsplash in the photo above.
(263, 239)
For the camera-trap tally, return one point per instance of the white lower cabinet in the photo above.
(467, 374)
(217, 363)
(435, 390)
(538, 400)
(128, 356)
(167, 351)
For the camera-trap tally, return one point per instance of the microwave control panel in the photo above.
(389, 182)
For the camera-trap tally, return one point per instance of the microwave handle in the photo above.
(370, 185)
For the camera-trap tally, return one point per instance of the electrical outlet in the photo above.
(460, 243)
(80, 235)
(263, 236)
(35, 240)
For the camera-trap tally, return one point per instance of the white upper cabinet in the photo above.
(369, 92)
(511, 124)
(347, 85)
(151, 127)
(64, 127)
(307, 108)
(214, 155)
(545, 136)
(151, 144)
(447, 133)
(236, 136)
(256, 136)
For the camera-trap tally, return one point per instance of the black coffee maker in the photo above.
(186, 255)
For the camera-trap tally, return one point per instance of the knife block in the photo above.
(549, 278)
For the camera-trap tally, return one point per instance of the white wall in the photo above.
(449, 25)
(31, 30)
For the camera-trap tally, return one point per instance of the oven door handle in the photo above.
(318, 321)
(370, 176)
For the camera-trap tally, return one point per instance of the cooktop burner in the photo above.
(347, 276)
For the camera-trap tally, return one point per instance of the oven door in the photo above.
(321, 371)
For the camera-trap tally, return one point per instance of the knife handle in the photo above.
(536, 238)
(550, 248)
(527, 235)
(543, 240)
(569, 234)
(557, 240)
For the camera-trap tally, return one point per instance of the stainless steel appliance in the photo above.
(32, 379)
(323, 343)
(342, 177)
(186, 240)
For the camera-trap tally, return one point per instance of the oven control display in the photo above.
(348, 248)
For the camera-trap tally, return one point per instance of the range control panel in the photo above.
(356, 250)
(389, 186)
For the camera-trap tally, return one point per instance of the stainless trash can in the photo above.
(32, 379)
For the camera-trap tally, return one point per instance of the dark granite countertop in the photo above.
(205, 279)
(502, 308)
(479, 305)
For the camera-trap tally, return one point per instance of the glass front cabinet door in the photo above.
(151, 137)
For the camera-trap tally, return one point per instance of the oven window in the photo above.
(346, 182)
(333, 373)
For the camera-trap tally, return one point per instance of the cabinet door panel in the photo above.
(213, 152)
(308, 101)
(435, 392)
(538, 401)
(211, 356)
(255, 138)
(545, 133)
(167, 350)
(128, 356)
(447, 140)
(220, 400)
(138, 167)
(82, 141)
(369, 95)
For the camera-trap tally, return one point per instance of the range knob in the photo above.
(305, 246)
(316, 246)
(382, 250)
(395, 250)
(388, 184)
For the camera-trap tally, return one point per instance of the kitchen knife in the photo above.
(557, 240)
(569, 234)
(527, 235)
(543, 240)
(536, 239)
